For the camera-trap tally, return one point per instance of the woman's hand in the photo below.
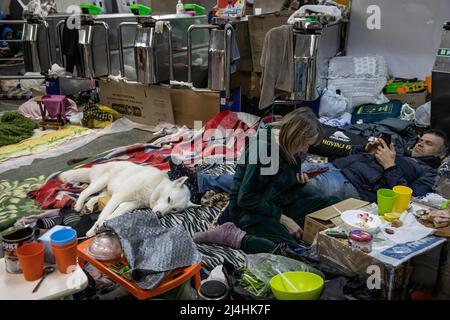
(292, 227)
(302, 178)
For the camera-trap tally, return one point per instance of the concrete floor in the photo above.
(47, 166)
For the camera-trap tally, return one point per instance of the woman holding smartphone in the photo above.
(265, 204)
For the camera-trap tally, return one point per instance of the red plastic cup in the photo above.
(65, 256)
(31, 259)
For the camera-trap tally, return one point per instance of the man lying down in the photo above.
(357, 176)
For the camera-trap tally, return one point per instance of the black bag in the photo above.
(338, 143)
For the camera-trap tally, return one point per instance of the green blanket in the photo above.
(14, 203)
(14, 127)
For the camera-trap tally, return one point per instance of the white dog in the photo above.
(130, 186)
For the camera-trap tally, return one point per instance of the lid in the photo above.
(87, 8)
(105, 246)
(63, 237)
(361, 236)
(140, 10)
(199, 10)
(14, 234)
(213, 289)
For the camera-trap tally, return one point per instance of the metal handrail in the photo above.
(189, 44)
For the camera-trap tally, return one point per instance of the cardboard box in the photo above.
(189, 106)
(258, 26)
(146, 104)
(414, 100)
(328, 217)
(338, 253)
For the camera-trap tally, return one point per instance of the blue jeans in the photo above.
(207, 182)
(330, 183)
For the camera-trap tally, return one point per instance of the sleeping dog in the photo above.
(130, 186)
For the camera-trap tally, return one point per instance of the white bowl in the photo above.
(353, 221)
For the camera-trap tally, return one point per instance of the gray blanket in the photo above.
(277, 60)
(151, 250)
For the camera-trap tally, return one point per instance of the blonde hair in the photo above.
(296, 128)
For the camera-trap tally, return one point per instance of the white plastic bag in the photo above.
(332, 103)
(423, 115)
(407, 113)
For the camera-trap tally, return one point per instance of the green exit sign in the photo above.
(444, 52)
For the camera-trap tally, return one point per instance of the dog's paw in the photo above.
(78, 207)
(91, 232)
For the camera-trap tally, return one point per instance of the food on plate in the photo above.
(364, 220)
(389, 231)
(396, 224)
(439, 218)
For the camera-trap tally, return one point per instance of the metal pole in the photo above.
(21, 77)
(59, 36)
(45, 23)
(227, 65)
(169, 30)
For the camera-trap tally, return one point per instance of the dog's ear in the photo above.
(179, 182)
(193, 205)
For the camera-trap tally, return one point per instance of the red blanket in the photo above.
(56, 194)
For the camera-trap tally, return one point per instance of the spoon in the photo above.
(287, 280)
(47, 271)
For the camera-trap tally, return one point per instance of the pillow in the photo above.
(370, 113)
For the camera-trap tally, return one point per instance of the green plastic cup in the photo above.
(385, 200)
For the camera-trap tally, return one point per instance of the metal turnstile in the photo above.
(153, 52)
(88, 48)
(221, 34)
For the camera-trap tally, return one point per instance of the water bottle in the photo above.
(180, 8)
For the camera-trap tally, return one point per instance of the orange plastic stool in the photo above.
(171, 281)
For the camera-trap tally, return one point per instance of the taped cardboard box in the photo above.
(414, 100)
(338, 253)
(146, 104)
(328, 217)
(189, 106)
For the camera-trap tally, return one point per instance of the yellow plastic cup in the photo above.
(404, 195)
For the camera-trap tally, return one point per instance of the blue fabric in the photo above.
(367, 176)
(207, 182)
(330, 183)
(6, 31)
(235, 54)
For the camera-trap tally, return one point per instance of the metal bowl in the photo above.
(105, 246)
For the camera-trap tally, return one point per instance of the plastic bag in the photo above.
(264, 266)
(407, 113)
(423, 115)
(332, 103)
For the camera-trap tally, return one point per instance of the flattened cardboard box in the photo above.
(146, 104)
(328, 217)
(414, 100)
